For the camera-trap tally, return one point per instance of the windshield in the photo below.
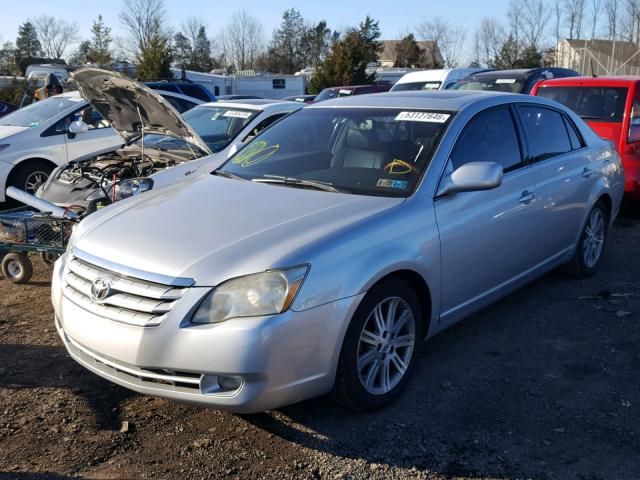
(508, 85)
(39, 112)
(399, 87)
(217, 126)
(327, 94)
(366, 151)
(599, 104)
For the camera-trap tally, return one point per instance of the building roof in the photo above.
(622, 51)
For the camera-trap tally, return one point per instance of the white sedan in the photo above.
(34, 140)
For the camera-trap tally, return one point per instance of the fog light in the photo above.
(229, 384)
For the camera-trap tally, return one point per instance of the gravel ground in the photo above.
(543, 385)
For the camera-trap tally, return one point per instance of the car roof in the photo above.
(601, 81)
(433, 100)
(437, 74)
(519, 73)
(256, 104)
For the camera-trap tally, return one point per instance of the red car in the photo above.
(611, 107)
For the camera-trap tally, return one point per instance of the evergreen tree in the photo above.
(346, 64)
(408, 53)
(316, 43)
(154, 62)
(8, 59)
(182, 50)
(100, 45)
(27, 43)
(81, 55)
(201, 52)
(369, 35)
(285, 53)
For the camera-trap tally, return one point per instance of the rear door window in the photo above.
(595, 104)
(634, 122)
(489, 137)
(545, 128)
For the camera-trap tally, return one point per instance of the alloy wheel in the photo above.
(386, 345)
(34, 181)
(593, 242)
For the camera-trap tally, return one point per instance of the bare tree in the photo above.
(515, 20)
(596, 14)
(55, 35)
(144, 21)
(490, 37)
(574, 11)
(242, 41)
(535, 18)
(611, 10)
(629, 27)
(191, 27)
(447, 40)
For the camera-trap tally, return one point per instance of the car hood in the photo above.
(211, 229)
(9, 130)
(132, 108)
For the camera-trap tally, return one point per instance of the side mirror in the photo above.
(77, 127)
(471, 177)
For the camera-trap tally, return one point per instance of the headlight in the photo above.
(133, 187)
(266, 293)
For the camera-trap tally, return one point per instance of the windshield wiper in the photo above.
(224, 173)
(593, 117)
(297, 182)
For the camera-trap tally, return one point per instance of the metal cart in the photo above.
(25, 231)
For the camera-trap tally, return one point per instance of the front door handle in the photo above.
(587, 172)
(527, 197)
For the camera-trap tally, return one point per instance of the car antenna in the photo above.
(593, 73)
(141, 131)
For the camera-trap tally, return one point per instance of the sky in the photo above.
(396, 17)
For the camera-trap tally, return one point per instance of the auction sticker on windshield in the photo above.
(431, 117)
(396, 184)
(506, 80)
(236, 114)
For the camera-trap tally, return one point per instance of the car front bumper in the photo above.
(278, 360)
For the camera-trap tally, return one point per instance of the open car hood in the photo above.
(129, 107)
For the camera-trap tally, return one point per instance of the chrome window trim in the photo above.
(133, 272)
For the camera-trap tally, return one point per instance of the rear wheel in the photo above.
(380, 347)
(17, 268)
(591, 247)
(29, 176)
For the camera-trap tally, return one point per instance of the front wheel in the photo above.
(380, 347)
(591, 247)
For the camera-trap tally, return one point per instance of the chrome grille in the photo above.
(134, 301)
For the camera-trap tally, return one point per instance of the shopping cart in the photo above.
(25, 231)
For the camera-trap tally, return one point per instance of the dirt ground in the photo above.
(543, 385)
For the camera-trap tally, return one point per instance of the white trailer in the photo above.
(273, 87)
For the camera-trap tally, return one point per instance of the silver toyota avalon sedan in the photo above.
(320, 256)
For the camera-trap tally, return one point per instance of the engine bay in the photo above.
(87, 185)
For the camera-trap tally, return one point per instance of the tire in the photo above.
(29, 175)
(17, 268)
(366, 348)
(49, 258)
(591, 247)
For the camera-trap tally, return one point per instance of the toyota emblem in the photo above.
(100, 289)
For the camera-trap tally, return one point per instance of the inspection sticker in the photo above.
(397, 184)
(506, 80)
(237, 114)
(431, 117)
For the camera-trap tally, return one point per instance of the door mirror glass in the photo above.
(471, 177)
(634, 124)
(78, 127)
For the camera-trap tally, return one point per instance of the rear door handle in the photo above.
(527, 197)
(587, 172)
